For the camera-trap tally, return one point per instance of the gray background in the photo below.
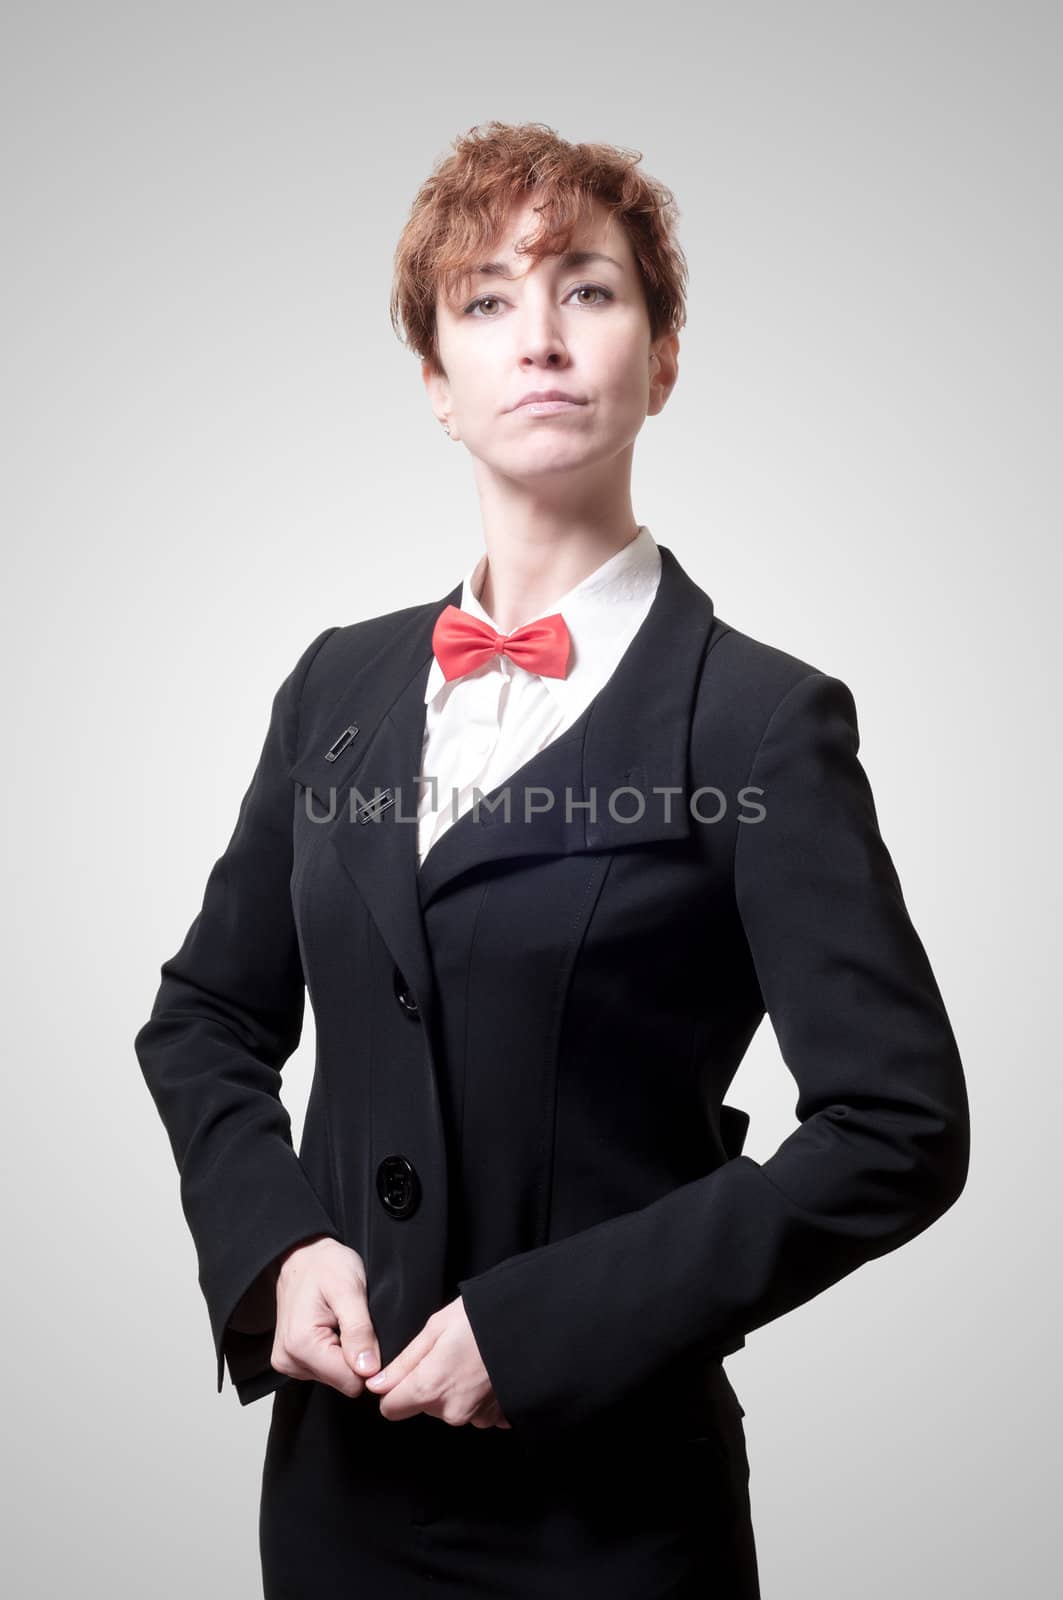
(216, 448)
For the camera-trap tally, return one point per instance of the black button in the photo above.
(404, 995)
(398, 1186)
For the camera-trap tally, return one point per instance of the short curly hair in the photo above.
(461, 209)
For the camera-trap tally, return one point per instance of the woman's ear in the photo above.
(664, 370)
(438, 390)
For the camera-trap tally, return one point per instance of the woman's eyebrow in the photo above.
(571, 258)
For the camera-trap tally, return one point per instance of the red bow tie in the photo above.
(462, 642)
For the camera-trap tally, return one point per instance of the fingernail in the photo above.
(374, 1381)
(365, 1359)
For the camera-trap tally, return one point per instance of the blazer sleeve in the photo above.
(227, 1015)
(882, 1149)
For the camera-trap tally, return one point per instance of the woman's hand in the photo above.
(321, 1287)
(440, 1372)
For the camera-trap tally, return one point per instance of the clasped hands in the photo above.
(321, 1288)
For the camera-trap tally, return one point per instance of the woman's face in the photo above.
(580, 327)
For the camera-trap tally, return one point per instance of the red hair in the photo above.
(461, 210)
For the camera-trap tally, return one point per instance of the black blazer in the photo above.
(583, 1186)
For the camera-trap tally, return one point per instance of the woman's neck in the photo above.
(536, 551)
(512, 588)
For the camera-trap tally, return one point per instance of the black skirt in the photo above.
(355, 1507)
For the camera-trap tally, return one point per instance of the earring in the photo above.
(446, 429)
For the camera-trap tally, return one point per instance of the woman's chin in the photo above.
(547, 458)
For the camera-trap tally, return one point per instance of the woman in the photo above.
(492, 1295)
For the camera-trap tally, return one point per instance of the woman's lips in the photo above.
(548, 408)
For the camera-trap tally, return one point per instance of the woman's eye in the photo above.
(592, 288)
(581, 288)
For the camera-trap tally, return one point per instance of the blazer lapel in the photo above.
(359, 763)
(629, 744)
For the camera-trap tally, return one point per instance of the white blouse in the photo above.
(480, 728)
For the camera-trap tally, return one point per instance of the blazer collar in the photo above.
(631, 740)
